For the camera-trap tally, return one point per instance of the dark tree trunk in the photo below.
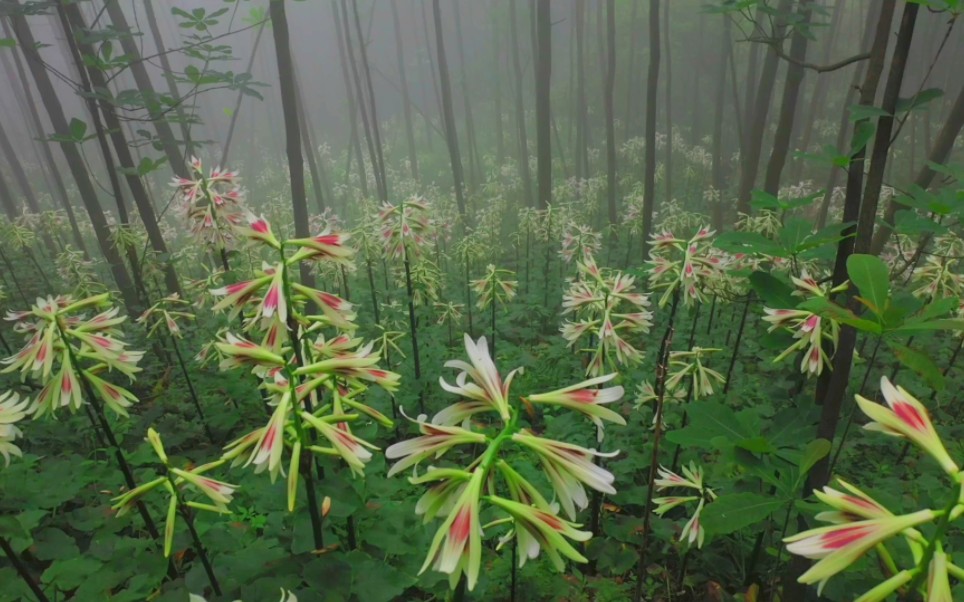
(144, 86)
(756, 121)
(649, 176)
(520, 115)
(406, 101)
(791, 92)
(608, 91)
(448, 115)
(75, 161)
(289, 106)
(354, 142)
(726, 44)
(939, 153)
(543, 109)
(696, 123)
(38, 129)
(668, 91)
(497, 70)
(379, 157)
(6, 199)
(832, 384)
(19, 175)
(885, 127)
(310, 152)
(182, 119)
(74, 21)
(819, 94)
(475, 164)
(631, 107)
(100, 132)
(581, 153)
(873, 19)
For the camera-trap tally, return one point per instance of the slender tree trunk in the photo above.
(39, 130)
(543, 108)
(843, 125)
(448, 115)
(696, 128)
(73, 22)
(475, 164)
(832, 384)
(631, 108)
(240, 97)
(75, 161)
(309, 148)
(757, 121)
(718, 179)
(19, 175)
(581, 153)
(406, 101)
(520, 115)
(289, 106)
(649, 176)
(182, 119)
(939, 154)
(608, 91)
(497, 70)
(815, 109)
(144, 86)
(372, 103)
(6, 199)
(668, 91)
(354, 142)
(791, 92)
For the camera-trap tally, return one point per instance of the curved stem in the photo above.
(21, 569)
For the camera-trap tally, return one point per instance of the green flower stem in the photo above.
(108, 432)
(307, 461)
(198, 546)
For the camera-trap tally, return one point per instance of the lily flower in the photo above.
(266, 453)
(439, 499)
(457, 546)
(838, 546)
(583, 398)
(435, 441)
(569, 467)
(906, 417)
(849, 507)
(486, 383)
(544, 531)
(348, 446)
(12, 410)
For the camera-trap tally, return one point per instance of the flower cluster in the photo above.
(494, 286)
(405, 228)
(166, 313)
(810, 330)
(177, 481)
(299, 365)
(685, 365)
(579, 240)
(606, 309)
(212, 203)
(859, 523)
(693, 532)
(457, 493)
(67, 351)
(690, 267)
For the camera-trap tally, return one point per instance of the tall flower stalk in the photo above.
(296, 370)
(494, 289)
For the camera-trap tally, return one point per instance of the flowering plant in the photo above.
(488, 418)
(689, 266)
(859, 523)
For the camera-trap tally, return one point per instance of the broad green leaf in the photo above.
(7, 42)
(774, 292)
(869, 273)
(828, 309)
(921, 364)
(730, 513)
(944, 324)
(747, 242)
(863, 132)
(858, 112)
(815, 451)
(918, 100)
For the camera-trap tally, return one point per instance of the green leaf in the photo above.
(815, 451)
(918, 100)
(863, 132)
(869, 273)
(78, 129)
(858, 112)
(730, 513)
(828, 309)
(7, 43)
(922, 365)
(773, 291)
(944, 324)
(714, 426)
(747, 242)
